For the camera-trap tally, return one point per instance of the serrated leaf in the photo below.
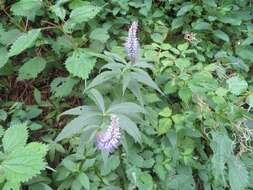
(222, 147)
(79, 15)
(24, 42)
(24, 163)
(84, 13)
(27, 8)
(237, 85)
(99, 34)
(238, 174)
(80, 64)
(15, 137)
(61, 86)
(31, 68)
(130, 127)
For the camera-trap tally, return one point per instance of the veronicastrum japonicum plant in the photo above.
(92, 122)
(131, 73)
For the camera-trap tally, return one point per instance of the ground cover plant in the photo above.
(126, 94)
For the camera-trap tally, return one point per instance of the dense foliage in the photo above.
(126, 94)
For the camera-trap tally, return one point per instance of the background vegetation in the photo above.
(182, 108)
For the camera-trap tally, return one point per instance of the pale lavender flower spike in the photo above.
(132, 44)
(110, 139)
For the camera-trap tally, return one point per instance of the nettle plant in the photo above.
(93, 121)
(19, 161)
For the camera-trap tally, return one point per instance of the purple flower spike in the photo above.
(110, 139)
(132, 44)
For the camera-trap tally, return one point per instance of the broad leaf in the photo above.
(80, 64)
(31, 68)
(237, 85)
(222, 147)
(15, 137)
(61, 86)
(23, 42)
(238, 174)
(26, 8)
(24, 163)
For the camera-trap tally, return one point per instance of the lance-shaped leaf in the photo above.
(144, 78)
(77, 124)
(126, 108)
(97, 98)
(130, 127)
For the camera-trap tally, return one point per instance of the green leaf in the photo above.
(111, 164)
(185, 94)
(130, 127)
(26, 8)
(245, 52)
(24, 163)
(182, 63)
(183, 10)
(222, 148)
(237, 85)
(84, 13)
(3, 115)
(182, 182)
(3, 56)
(80, 64)
(81, 14)
(101, 78)
(177, 22)
(61, 87)
(202, 82)
(221, 35)
(100, 34)
(201, 25)
(97, 97)
(23, 42)
(125, 108)
(84, 180)
(249, 100)
(15, 137)
(31, 68)
(164, 126)
(144, 78)
(166, 112)
(238, 174)
(78, 124)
